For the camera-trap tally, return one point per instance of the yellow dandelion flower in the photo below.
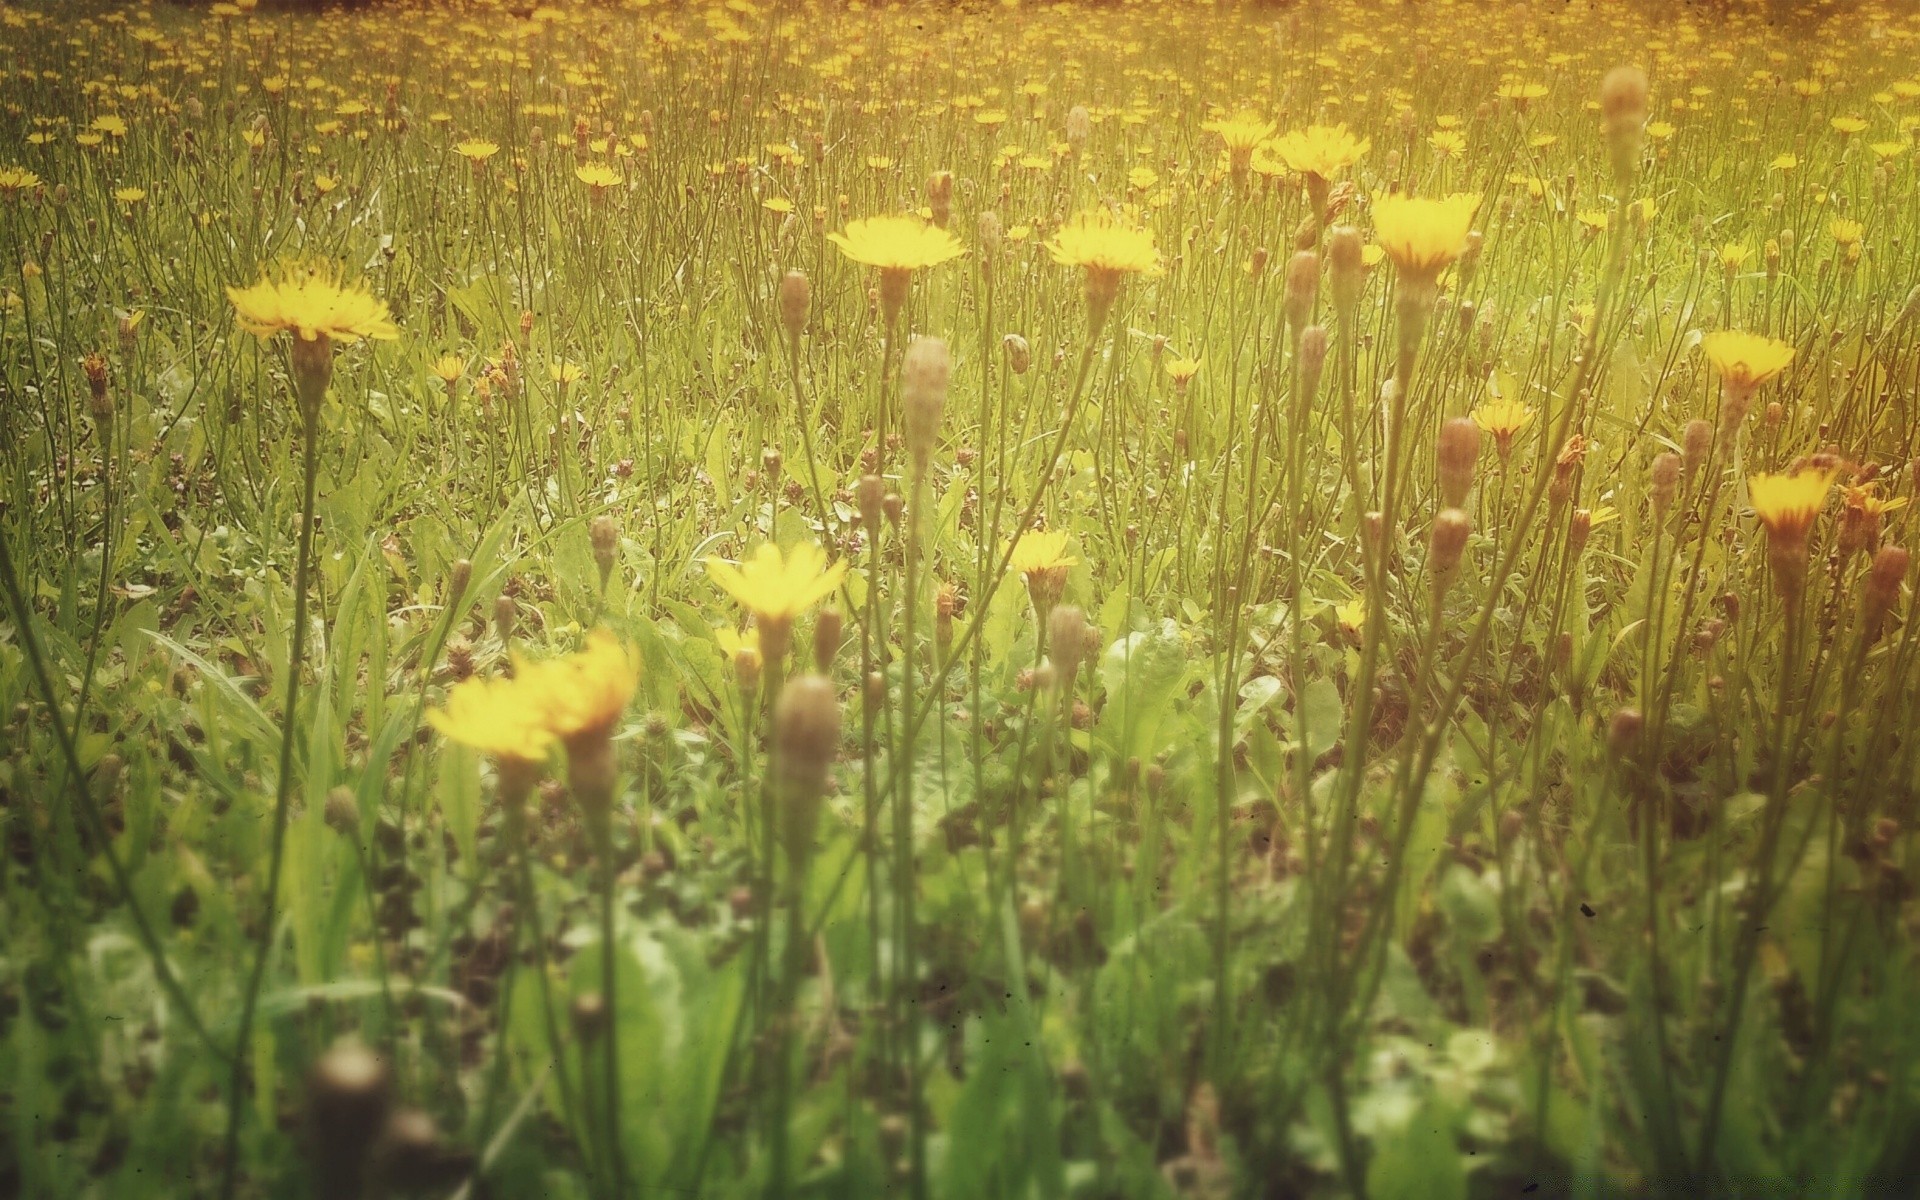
(776, 587)
(448, 368)
(311, 303)
(1786, 505)
(1501, 419)
(1182, 370)
(1423, 236)
(1100, 242)
(1042, 550)
(897, 243)
(14, 180)
(1321, 150)
(581, 696)
(1745, 360)
(597, 176)
(476, 150)
(504, 719)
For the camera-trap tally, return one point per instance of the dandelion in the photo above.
(448, 369)
(476, 150)
(1241, 133)
(1042, 560)
(1744, 362)
(897, 247)
(778, 587)
(1424, 236)
(598, 177)
(1182, 371)
(1501, 419)
(504, 719)
(14, 180)
(1786, 506)
(313, 305)
(1109, 250)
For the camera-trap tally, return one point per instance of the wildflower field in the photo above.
(985, 600)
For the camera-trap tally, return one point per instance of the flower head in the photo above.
(776, 587)
(580, 696)
(1423, 236)
(311, 303)
(17, 179)
(501, 718)
(448, 368)
(1745, 361)
(1241, 132)
(1501, 419)
(1322, 150)
(1099, 241)
(476, 150)
(597, 176)
(1786, 505)
(1041, 558)
(897, 243)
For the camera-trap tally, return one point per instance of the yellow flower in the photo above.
(1448, 143)
(130, 195)
(1351, 616)
(1846, 232)
(110, 124)
(1501, 420)
(1241, 132)
(502, 718)
(566, 373)
(1786, 505)
(777, 587)
(1595, 219)
(17, 179)
(897, 243)
(1422, 236)
(311, 303)
(1846, 126)
(1044, 550)
(448, 368)
(1321, 150)
(1182, 370)
(580, 696)
(1100, 242)
(1733, 256)
(1745, 360)
(476, 150)
(597, 176)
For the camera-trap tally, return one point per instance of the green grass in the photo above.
(1587, 872)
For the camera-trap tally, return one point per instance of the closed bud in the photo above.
(1303, 289)
(1019, 354)
(923, 384)
(348, 1099)
(605, 536)
(1623, 731)
(342, 812)
(1458, 453)
(1313, 357)
(458, 577)
(505, 612)
(796, 302)
(868, 494)
(991, 232)
(1346, 267)
(827, 631)
(1448, 543)
(1578, 530)
(1066, 640)
(1079, 127)
(1663, 480)
(588, 1015)
(1882, 590)
(806, 735)
(1696, 442)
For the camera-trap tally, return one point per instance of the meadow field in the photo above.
(982, 600)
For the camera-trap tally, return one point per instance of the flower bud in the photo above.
(348, 1098)
(605, 536)
(796, 301)
(1623, 731)
(1303, 289)
(1066, 640)
(342, 812)
(1346, 268)
(1458, 453)
(923, 385)
(1019, 354)
(806, 735)
(868, 494)
(1695, 444)
(1448, 543)
(1623, 106)
(1663, 480)
(827, 631)
(459, 575)
(1313, 357)
(505, 611)
(1882, 590)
